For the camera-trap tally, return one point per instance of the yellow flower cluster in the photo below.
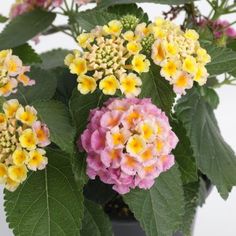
(12, 71)
(22, 138)
(112, 59)
(179, 54)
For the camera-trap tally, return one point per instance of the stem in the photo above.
(67, 6)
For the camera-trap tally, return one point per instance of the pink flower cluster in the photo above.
(27, 5)
(129, 143)
(219, 27)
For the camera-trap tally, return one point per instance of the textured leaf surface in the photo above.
(133, 9)
(57, 117)
(213, 155)
(48, 203)
(184, 155)
(79, 169)
(54, 58)
(95, 222)
(222, 60)
(27, 54)
(158, 89)
(107, 3)
(66, 83)
(89, 19)
(25, 27)
(80, 106)
(191, 194)
(160, 209)
(44, 88)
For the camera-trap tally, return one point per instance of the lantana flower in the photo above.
(220, 28)
(128, 143)
(22, 139)
(12, 72)
(179, 54)
(112, 59)
(22, 6)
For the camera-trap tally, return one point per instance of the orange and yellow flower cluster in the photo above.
(179, 54)
(12, 72)
(22, 141)
(111, 60)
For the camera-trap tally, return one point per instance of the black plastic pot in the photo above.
(130, 228)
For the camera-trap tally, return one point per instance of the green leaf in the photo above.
(3, 19)
(222, 59)
(160, 209)
(89, 19)
(57, 117)
(54, 58)
(25, 27)
(211, 97)
(205, 188)
(99, 192)
(80, 106)
(158, 89)
(48, 203)
(95, 222)
(44, 88)
(79, 169)
(131, 9)
(107, 3)
(27, 54)
(232, 45)
(213, 155)
(66, 83)
(184, 155)
(191, 194)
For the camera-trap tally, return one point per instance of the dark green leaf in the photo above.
(3, 19)
(79, 169)
(66, 82)
(191, 194)
(222, 59)
(44, 88)
(107, 3)
(184, 155)
(54, 58)
(80, 106)
(57, 117)
(27, 54)
(95, 222)
(89, 19)
(205, 188)
(131, 9)
(213, 155)
(211, 97)
(48, 203)
(158, 89)
(160, 209)
(232, 45)
(99, 192)
(25, 27)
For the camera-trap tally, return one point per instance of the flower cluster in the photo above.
(220, 28)
(128, 142)
(22, 139)
(12, 71)
(112, 59)
(22, 6)
(179, 54)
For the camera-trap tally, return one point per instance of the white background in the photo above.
(217, 217)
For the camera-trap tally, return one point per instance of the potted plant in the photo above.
(117, 136)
